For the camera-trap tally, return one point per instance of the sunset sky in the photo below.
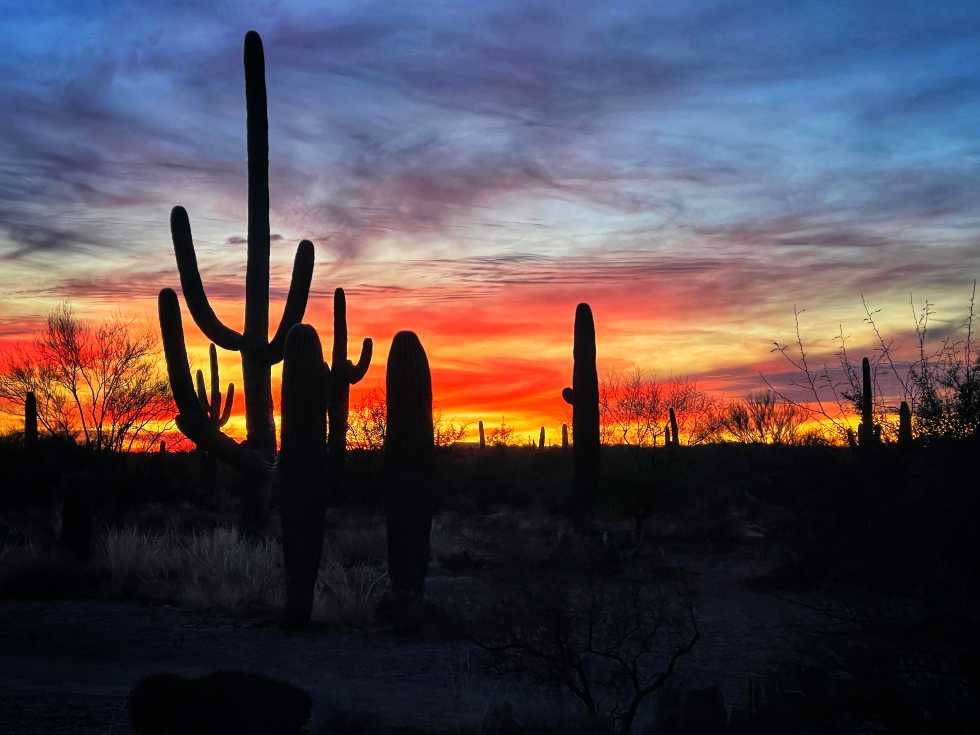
(471, 171)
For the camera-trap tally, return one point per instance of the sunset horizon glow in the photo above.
(691, 175)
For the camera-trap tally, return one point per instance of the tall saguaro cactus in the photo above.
(302, 460)
(869, 433)
(674, 436)
(30, 420)
(483, 437)
(541, 439)
(564, 436)
(343, 375)
(583, 396)
(258, 352)
(408, 457)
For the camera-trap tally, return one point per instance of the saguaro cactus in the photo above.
(869, 433)
(258, 353)
(904, 426)
(667, 434)
(302, 461)
(212, 405)
(408, 456)
(564, 436)
(30, 420)
(343, 375)
(583, 396)
(483, 437)
(674, 436)
(541, 439)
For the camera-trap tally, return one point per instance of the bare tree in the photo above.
(500, 436)
(367, 422)
(98, 384)
(444, 432)
(605, 643)
(761, 418)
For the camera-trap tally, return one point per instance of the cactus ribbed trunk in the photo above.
(904, 426)
(564, 436)
(674, 436)
(302, 462)
(408, 465)
(584, 399)
(541, 439)
(30, 420)
(483, 437)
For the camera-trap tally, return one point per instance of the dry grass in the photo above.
(215, 569)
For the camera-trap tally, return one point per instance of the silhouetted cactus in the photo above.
(163, 447)
(343, 375)
(904, 426)
(196, 424)
(408, 456)
(564, 436)
(667, 434)
(674, 435)
(584, 399)
(869, 433)
(30, 420)
(541, 439)
(302, 462)
(212, 405)
(258, 352)
(483, 437)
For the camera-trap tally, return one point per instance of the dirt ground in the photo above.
(67, 666)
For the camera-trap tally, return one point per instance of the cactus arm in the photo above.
(202, 393)
(296, 299)
(257, 136)
(215, 385)
(193, 288)
(229, 399)
(339, 356)
(191, 418)
(356, 372)
(568, 395)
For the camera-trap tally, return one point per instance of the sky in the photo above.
(472, 171)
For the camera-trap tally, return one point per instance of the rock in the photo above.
(221, 703)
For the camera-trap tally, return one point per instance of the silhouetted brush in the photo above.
(343, 374)
(30, 420)
(302, 462)
(583, 396)
(258, 352)
(408, 452)
(904, 426)
(674, 435)
(483, 437)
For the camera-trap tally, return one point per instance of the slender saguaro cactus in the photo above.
(667, 435)
(408, 457)
(302, 461)
(30, 420)
(212, 405)
(343, 375)
(583, 396)
(541, 439)
(904, 426)
(564, 436)
(483, 437)
(869, 433)
(674, 436)
(258, 353)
